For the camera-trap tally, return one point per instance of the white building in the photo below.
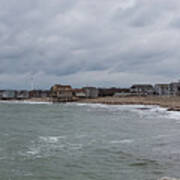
(162, 89)
(174, 89)
(91, 92)
(142, 89)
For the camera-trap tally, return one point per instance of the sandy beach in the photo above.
(172, 103)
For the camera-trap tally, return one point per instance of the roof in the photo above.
(78, 90)
(162, 85)
(141, 86)
(61, 86)
(175, 83)
(89, 87)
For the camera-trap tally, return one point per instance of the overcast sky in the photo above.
(88, 42)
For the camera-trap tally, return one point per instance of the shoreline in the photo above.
(171, 103)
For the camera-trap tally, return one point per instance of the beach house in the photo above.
(162, 89)
(174, 88)
(79, 93)
(91, 92)
(23, 94)
(142, 89)
(8, 94)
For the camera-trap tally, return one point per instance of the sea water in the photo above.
(44, 141)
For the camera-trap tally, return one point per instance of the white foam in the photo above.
(33, 151)
(123, 107)
(93, 105)
(158, 109)
(142, 110)
(25, 102)
(51, 139)
(124, 141)
(174, 115)
(108, 106)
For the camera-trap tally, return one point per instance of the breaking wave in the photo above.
(45, 146)
(140, 109)
(124, 141)
(24, 102)
(174, 115)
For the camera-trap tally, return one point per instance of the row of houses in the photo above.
(172, 89)
(57, 92)
(67, 93)
(64, 93)
(23, 94)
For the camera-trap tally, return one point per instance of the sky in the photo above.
(101, 43)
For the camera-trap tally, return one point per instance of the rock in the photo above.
(174, 109)
(168, 178)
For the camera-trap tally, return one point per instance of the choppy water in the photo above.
(88, 142)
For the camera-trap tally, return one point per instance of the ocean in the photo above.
(44, 141)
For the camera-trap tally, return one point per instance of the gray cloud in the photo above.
(102, 43)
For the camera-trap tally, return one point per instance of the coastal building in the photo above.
(91, 92)
(1, 93)
(103, 92)
(123, 94)
(39, 93)
(45, 93)
(35, 93)
(23, 94)
(62, 93)
(8, 94)
(80, 93)
(162, 89)
(142, 89)
(174, 89)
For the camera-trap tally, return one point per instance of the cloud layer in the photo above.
(101, 43)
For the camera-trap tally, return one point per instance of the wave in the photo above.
(140, 109)
(133, 107)
(51, 139)
(33, 151)
(93, 105)
(45, 146)
(174, 115)
(124, 141)
(24, 102)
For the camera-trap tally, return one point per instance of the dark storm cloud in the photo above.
(81, 42)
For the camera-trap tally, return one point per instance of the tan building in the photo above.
(62, 93)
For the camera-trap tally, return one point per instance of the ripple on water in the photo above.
(144, 163)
